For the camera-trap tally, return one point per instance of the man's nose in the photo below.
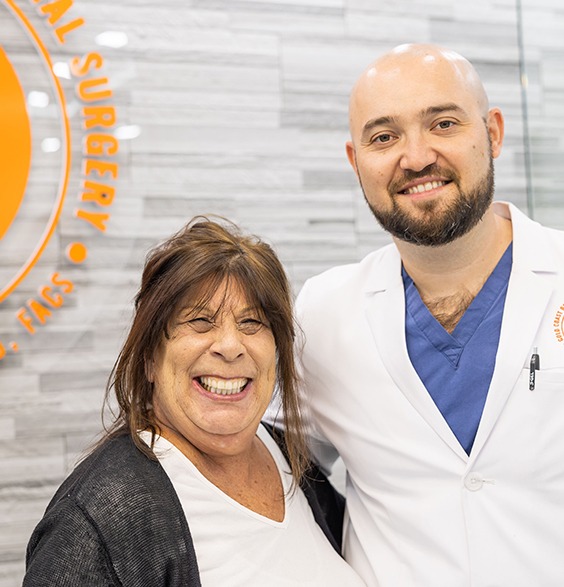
(418, 153)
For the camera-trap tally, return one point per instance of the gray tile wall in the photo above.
(242, 106)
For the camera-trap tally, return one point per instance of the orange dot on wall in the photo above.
(77, 252)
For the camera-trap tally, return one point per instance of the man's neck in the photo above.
(451, 275)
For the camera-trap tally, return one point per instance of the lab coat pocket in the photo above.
(550, 379)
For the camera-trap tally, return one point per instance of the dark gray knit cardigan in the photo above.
(117, 521)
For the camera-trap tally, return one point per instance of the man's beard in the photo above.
(436, 225)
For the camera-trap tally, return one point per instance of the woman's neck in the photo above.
(248, 475)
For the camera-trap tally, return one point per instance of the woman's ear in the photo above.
(150, 369)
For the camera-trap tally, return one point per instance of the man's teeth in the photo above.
(425, 187)
(223, 386)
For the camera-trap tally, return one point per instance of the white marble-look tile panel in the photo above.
(484, 10)
(211, 78)
(410, 29)
(125, 16)
(253, 143)
(174, 101)
(402, 8)
(313, 65)
(544, 28)
(209, 117)
(302, 5)
(450, 33)
(320, 23)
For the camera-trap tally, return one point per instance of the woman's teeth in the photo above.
(223, 386)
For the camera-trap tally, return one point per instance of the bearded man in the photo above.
(434, 366)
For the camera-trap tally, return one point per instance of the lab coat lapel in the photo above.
(527, 298)
(385, 311)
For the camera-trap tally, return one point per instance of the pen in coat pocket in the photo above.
(535, 366)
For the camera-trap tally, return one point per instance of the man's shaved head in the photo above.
(423, 138)
(422, 60)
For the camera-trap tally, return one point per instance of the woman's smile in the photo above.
(223, 387)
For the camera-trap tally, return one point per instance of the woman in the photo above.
(188, 487)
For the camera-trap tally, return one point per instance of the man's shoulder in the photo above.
(535, 245)
(355, 276)
(554, 234)
(525, 224)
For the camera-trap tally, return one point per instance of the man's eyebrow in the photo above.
(431, 111)
(441, 108)
(375, 122)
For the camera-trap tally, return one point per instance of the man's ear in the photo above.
(351, 156)
(496, 130)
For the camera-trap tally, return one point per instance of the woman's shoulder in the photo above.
(121, 492)
(110, 500)
(111, 469)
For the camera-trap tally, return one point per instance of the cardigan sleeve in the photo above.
(116, 521)
(65, 550)
(326, 503)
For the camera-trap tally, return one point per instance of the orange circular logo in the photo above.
(33, 119)
(35, 162)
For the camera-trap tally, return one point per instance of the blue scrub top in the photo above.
(457, 368)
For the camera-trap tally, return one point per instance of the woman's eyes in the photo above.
(247, 326)
(201, 325)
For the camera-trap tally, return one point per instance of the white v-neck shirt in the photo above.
(237, 547)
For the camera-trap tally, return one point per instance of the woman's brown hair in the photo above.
(191, 265)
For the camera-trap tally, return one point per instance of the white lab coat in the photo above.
(422, 513)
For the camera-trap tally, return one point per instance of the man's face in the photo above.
(435, 224)
(422, 149)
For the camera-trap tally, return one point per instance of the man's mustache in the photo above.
(431, 170)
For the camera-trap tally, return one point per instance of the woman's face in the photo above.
(214, 376)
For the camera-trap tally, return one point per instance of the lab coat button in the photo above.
(474, 482)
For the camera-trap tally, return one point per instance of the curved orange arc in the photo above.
(15, 143)
(52, 224)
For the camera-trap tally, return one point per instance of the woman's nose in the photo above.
(228, 342)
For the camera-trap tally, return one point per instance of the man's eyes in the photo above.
(382, 139)
(385, 138)
(445, 124)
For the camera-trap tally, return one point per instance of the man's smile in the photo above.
(423, 187)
